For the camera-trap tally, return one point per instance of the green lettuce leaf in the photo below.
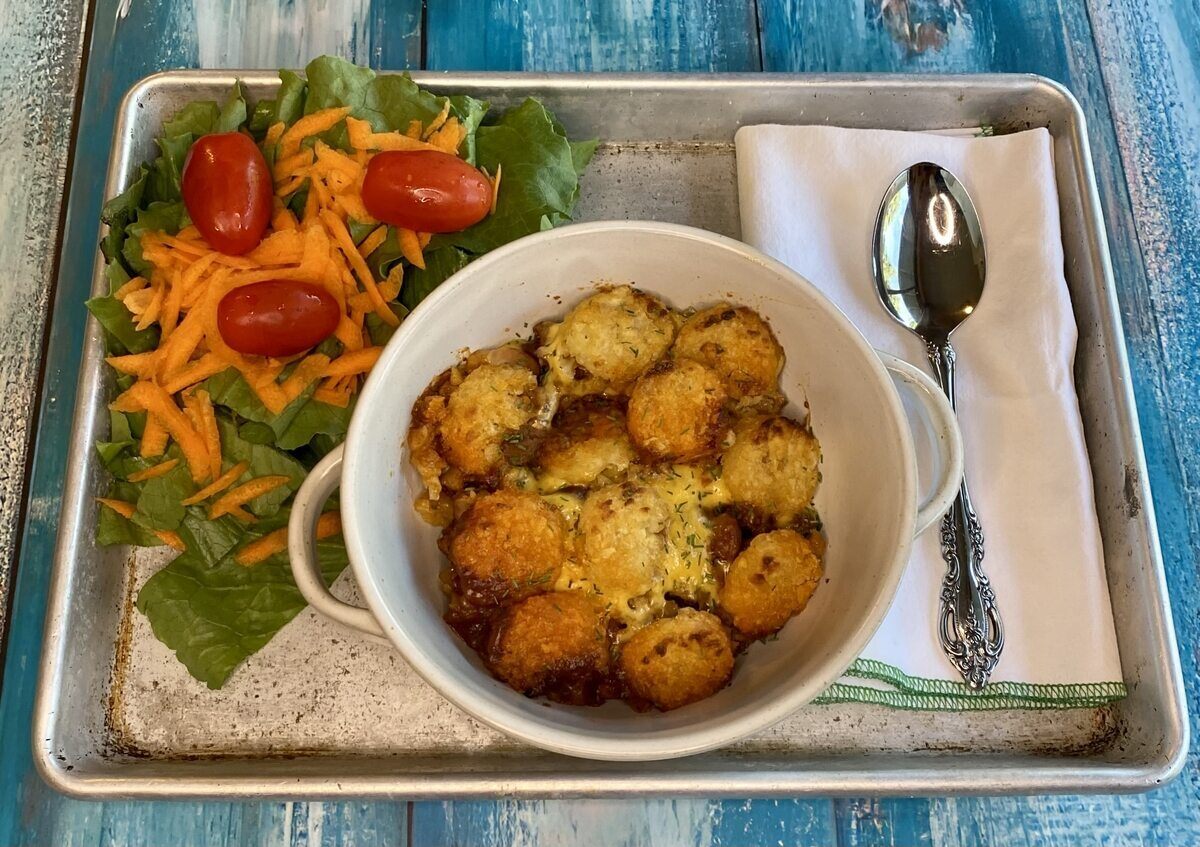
(440, 265)
(111, 529)
(213, 612)
(159, 505)
(122, 335)
(119, 212)
(264, 460)
(159, 216)
(539, 177)
(315, 418)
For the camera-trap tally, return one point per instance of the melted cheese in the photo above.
(690, 491)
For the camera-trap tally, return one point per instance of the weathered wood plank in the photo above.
(796, 823)
(551, 35)
(40, 46)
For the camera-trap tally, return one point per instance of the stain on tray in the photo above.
(1133, 501)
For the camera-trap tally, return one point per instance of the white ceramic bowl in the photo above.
(867, 500)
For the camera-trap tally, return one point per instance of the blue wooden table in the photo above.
(1133, 65)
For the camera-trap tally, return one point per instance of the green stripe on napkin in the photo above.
(940, 695)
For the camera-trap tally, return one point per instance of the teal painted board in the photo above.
(624, 823)
(592, 35)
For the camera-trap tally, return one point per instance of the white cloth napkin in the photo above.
(808, 197)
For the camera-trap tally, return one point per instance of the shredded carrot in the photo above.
(362, 138)
(341, 238)
(291, 186)
(332, 397)
(317, 122)
(284, 220)
(244, 493)
(171, 304)
(135, 284)
(310, 206)
(154, 438)
(448, 138)
(307, 372)
(335, 160)
(150, 397)
(496, 185)
(360, 361)
(274, 132)
(437, 122)
(153, 471)
(241, 514)
(259, 550)
(196, 270)
(218, 485)
(424, 238)
(121, 507)
(210, 364)
(150, 315)
(285, 168)
(136, 364)
(352, 206)
(410, 248)
(171, 539)
(372, 242)
(285, 247)
(200, 410)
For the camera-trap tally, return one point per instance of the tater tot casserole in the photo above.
(625, 506)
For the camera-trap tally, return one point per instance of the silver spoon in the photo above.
(929, 273)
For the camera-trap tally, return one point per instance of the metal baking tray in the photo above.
(322, 711)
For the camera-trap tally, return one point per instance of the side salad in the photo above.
(256, 267)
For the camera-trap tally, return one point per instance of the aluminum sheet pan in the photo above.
(322, 711)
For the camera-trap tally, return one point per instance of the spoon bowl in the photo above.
(928, 254)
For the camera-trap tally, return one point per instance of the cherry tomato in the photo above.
(425, 191)
(227, 191)
(278, 317)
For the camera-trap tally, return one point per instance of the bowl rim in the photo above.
(641, 746)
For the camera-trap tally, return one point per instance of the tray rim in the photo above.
(985, 774)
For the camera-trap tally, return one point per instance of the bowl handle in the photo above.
(939, 415)
(302, 546)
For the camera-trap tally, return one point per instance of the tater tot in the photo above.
(622, 531)
(769, 582)
(676, 411)
(506, 546)
(679, 660)
(586, 442)
(609, 340)
(552, 645)
(771, 471)
(491, 404)
(736, 343)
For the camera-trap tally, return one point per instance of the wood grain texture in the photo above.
(592, 35)
(1125, 59)
(40, 45)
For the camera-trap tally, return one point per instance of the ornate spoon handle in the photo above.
(969, 626)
